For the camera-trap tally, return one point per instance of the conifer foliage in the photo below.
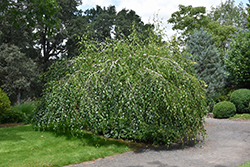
(206, 59)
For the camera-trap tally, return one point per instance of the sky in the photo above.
(147, 9)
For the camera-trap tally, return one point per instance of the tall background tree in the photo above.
(238, 56)
(238, 59)
(100, 22)
(107, 23)
(228, 13)
(18, 73)
(23, 23)
(30, 22)
(206, 60)
(188, 18)
(225, 20)
(222, 21)
(125, 19)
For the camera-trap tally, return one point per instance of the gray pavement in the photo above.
(227, 145)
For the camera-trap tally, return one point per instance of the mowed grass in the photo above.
(23, 147)
(241, 116)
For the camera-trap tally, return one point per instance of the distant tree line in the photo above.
(36, 34)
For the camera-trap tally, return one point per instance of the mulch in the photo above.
(11, 125)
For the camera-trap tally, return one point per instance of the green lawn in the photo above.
(22, 146)
(247, 164)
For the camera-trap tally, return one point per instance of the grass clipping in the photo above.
(131, 89)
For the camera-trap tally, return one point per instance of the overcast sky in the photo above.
(147, 8)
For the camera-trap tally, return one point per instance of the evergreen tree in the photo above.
(206, 59)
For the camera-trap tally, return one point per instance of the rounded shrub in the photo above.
(4, 102)
(126, 89)
(241, 100)
(224, 109)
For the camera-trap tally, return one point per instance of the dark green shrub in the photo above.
(241, 100)
(4, 102)
(28, 108)
(224, 97)
(221, 98)
(128, 90)
(224, 109)
(12, 116)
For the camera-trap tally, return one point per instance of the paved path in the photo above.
(227, 145)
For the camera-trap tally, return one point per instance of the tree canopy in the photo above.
(238, 59)
(17, 72)
(50, 30)
(107, 23)
(227, 13)
(221, 22)
(188, 18)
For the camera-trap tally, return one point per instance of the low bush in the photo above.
(4, 103)
(241, 100)
(224, 109)
(12, 116)
(28, 109)
(224, 97)
(126, 89)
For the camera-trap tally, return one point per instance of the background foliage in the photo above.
(4, 102)
(228, 13)
(49, 32)
(238, 59)
(18, 73)
(221, 22)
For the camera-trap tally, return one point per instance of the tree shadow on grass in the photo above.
(88, 139)
(91, 140)
(10, 133)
